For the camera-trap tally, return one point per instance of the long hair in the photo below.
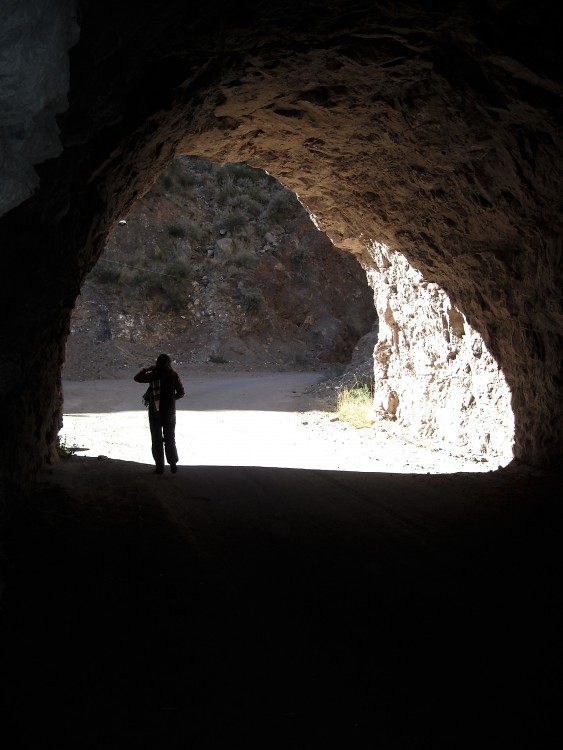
(163, 361)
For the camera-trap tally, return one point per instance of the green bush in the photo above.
(241, 171)
(194, 232)
(189, 229)
(200, 165)
(244, 258)
(177, 230)
(153, 284)
(187, 180)
(174, 300)
(246, 205)
(225, 178)
(234, 221)
(225, 195)
(178, 175)
(64, 450)
(301, 360)
(283, 206)
(252, 300)
(258, 193)
(218, 359)
(299, 260)
(138, 279)
(178, 268)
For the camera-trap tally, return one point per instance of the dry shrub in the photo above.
(355, 406)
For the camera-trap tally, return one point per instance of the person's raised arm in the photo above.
(143, 376)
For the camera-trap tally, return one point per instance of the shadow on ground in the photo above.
(278, 608)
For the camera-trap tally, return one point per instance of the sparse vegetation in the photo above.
(244, 258)
(64, 450)
(283, 206)
(252, 300)
(174, 300)
(177, 230)
(234, 221)
(194, 232)
(227, 190)
(355, 406)
(242, 171)
(258, 193)
(299, 261)
(187, 180)
(218, 359)
(178, 269)
(246, 205)
(169, 257)
(153, 284)
(175, 178)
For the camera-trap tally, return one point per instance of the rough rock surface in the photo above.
(437, 161)
(433, 372)
(433, 130)
(34, 70)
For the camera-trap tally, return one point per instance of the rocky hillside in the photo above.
(219, 264)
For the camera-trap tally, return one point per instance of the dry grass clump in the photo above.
(355, 406)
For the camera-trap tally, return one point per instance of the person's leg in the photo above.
(169, 430)
(157, 441)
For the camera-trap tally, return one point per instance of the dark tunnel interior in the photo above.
(270, 607)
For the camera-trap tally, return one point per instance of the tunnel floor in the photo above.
(281, 608)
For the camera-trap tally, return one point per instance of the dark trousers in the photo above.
(163, 429)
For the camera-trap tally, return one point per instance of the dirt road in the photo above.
(244, 419)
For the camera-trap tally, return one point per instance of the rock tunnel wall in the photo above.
(413, 133)
(432, 371)
(437, 134)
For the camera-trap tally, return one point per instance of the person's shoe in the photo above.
(173, 468)
(158, 470)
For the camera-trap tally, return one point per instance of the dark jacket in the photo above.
(165, 388)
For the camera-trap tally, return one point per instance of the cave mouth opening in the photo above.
(396, 147)
(226, 270)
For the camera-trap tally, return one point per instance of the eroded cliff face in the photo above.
(435, 132)
(433, 372)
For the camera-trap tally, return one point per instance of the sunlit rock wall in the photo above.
(433, 372)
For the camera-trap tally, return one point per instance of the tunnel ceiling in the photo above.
(436, 133)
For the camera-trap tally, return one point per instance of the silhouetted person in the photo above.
(164, 389)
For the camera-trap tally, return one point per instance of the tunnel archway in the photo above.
(398, 612)
(436, 134)
(176, 275)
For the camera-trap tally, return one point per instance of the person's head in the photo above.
(163, 361)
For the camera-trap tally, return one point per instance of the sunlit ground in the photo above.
(308, 440)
